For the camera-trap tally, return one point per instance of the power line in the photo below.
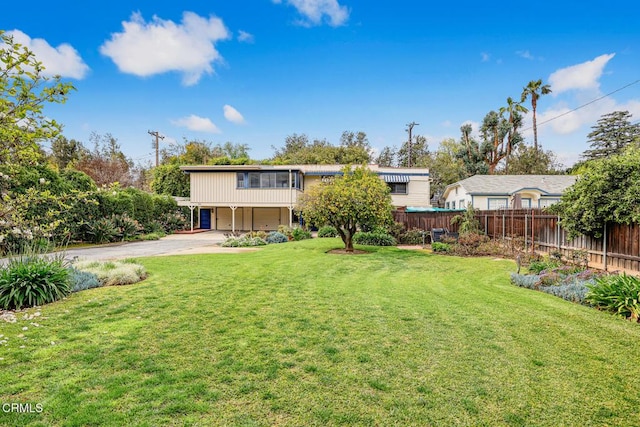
(584, 105)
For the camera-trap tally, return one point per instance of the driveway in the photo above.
(174, 244)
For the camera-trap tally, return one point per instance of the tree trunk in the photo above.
(535, 127)
(348, 243)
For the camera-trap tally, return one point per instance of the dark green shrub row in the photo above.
(374, 238)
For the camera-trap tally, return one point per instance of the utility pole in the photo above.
(156, 143)
(410, 129)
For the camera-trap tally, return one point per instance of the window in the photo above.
(461, 204)
(453, 205)
(498, 203)
(398, 187)
(268, 179)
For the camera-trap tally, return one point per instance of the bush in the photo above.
(561, 282)
(126, 227)
(102, 231)
(111, 273)
(617, 294)
(538, 266)
(300, 234)
(374, 238)
(82, 280)
(243, 242)
(276, 237)
(440, 247)
(327, 231)
(415, 236)
(28, 281)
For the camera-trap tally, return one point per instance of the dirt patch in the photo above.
(344, 252)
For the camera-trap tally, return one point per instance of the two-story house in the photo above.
(262, 197)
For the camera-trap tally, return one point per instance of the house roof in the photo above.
(510, 184)
(309, 170)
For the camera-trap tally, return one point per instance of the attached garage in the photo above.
(224, 219)
(267, 218)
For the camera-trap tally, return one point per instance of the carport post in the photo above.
(191, 208)
(290, 216)
(233, 218)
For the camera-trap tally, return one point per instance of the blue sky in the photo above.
(255, 71)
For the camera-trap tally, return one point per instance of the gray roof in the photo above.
(510, 184)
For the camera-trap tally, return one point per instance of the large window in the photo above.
(498, 203)
(548, 202)
(398, 187)
(267, 179)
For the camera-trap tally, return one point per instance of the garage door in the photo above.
(224, 219)
(266, 218)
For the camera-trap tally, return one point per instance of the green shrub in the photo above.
(102, 231)
(617, 294)
(440, 247)
(300, 234)
(276, 237)
(327, 231)
(28, 281)
(243, 242)
(111, 273)
(538, 266)
(81, 280)
(126, 227)
(414, 236)
(374, 238)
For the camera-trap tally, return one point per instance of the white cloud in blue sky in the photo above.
(315, 12)
(159, 46)
(233, 115)
(580, 76)
(63, 60)
(197, 124)
(245, 37)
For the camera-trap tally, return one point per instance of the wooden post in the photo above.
(233, 218)
(604, 247)
(533, 226)
(526, 237)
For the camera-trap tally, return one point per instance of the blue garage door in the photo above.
(205, 219)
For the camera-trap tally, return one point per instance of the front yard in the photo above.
(292, 335)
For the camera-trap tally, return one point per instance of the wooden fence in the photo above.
(618, 249)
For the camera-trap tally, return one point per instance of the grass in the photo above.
(291, 335)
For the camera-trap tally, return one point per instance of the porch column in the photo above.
(290, 216)
(233, 218)
(191, 208)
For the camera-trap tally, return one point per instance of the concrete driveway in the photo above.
(174, 244)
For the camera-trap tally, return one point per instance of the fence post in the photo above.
(533, 227)
(604, 247)
(559, 241)
(526, 227)
(503, 226)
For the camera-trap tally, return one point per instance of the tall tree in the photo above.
(416, 156)
(611, 135)
(446, 166)
(515, 111)
(526, 160)
(494, 130)
(106, 163)
(534, 89)
(65, 151)
(354, 148)
(24, 92)
(355, 198)
(472, 153)
(387, 157)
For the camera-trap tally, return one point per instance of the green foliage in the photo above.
(24, 92)
(607, 191)
(617, 294)
(82, 280)
(243, 242)
(540, 265)
(355, 198)
(467, 222)
(354, 148)
(327, 231)
(28, 281)
(276, 237)
(126, 227)
(374, 238)
(415, 236)
(300, 234)
(170, 180)
(114, 273)
(613, 133)
(440, 247)
(102, 230)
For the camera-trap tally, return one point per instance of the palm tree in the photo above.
(535, 89)
(514, 110)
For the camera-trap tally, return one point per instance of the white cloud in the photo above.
(245, 37)
(580, 76)
(233, 115)
(159, 46)
(525, 54)
(485, 56)
(63, 60)
(315, 11)
(197, 124)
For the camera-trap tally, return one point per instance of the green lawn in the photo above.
(291, 335)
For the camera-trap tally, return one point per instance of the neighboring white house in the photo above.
(507, 191)
(262, 197)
